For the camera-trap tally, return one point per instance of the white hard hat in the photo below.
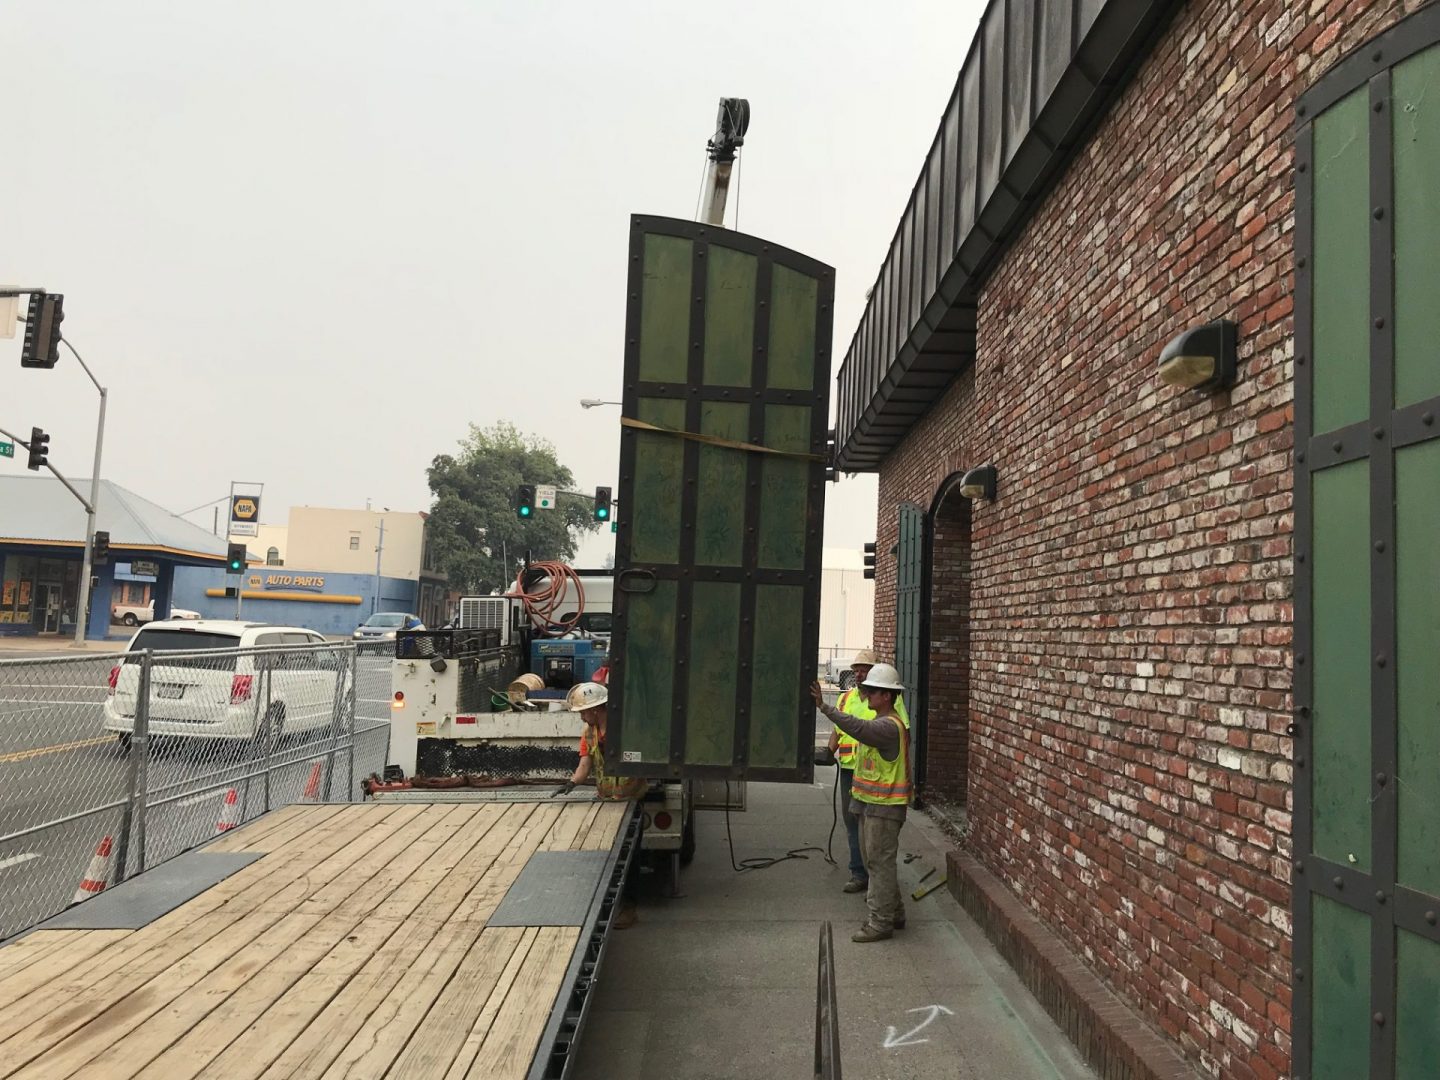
(883, 677)
(586, 695)
(866, 658)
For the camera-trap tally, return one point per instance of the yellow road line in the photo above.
(41, 751)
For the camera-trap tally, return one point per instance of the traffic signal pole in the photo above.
(82, 601)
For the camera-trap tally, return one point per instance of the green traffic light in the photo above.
(524, 511)
(602, 512)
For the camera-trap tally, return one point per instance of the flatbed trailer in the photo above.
(375, 940)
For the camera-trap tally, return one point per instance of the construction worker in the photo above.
(588, 699)
(880, 794)
(844, 747)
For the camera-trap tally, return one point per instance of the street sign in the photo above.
(545, 496)
(7, 449)
(144, 568)
(244, 515)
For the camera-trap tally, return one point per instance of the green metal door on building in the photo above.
(1366, 881)
(721, 506)
(910, 648)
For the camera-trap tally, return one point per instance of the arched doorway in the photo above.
(946, 680)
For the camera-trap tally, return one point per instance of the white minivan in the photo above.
(201, 689)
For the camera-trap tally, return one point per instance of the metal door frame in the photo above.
(1387, 429)
(916, 705)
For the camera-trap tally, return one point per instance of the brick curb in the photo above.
(1112, 1038)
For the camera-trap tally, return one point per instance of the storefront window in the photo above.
(18, 589)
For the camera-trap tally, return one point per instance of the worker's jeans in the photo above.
(880, 838)
(852, 827)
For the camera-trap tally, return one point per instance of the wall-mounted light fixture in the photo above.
(979, 483)
(1202, 358)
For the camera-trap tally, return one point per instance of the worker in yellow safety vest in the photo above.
(880, 794)
(845, 748)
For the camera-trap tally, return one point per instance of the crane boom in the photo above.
(730, 126)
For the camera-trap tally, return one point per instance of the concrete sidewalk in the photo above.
(17, 647)
(721, 984)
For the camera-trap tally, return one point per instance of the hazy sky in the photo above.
(307, 244)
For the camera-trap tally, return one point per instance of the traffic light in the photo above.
(870, 562)
(525, 501)
(602, 504)
(100, 549)
(42, 330)
(235, 559)
(39, 449)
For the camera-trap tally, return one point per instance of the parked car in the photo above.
(138, 614)
(383, 624)
(202, 688)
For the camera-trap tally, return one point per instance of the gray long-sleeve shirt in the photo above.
(883, 734)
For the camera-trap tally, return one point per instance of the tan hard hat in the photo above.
(865, 657)
(586, 695)
(883, 677)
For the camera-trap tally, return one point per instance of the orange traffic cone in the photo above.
(98, 875)
(312, 784)
(230, 815)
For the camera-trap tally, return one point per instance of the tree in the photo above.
(473, 524)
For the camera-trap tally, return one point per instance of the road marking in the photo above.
(60, 748)
(16, 860)
(892, 1040)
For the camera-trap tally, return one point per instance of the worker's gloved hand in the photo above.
(563, 789)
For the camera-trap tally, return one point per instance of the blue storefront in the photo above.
(333, 604)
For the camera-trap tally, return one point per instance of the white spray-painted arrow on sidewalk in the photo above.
(908, 1039)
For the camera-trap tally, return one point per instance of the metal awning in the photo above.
(1038, 75)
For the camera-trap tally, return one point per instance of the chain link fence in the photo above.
(110, 765)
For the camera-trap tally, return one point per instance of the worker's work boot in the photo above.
(855, 885)
(868, 933)
(899, 923)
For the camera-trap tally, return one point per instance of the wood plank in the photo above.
(244, 891)
(22, 952)
(72, 949)
(202, 995)
(287, 819)
(562, 834)
(607, 824)
(334, 1021)
(591, 811)
(278, 1022)
(485, 975)
(510, 1042)
(385, 1034)
(190, 954)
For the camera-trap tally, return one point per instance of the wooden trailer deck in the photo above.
(361, 941)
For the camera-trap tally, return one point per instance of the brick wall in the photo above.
(947, 738)
(1129, 594)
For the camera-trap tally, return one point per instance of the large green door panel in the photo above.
(1365, 887)
(721, 504)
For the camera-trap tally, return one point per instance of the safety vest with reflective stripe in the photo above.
(854, 705)
(886, 783)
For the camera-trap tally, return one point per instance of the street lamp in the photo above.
(82, 604)
(592, 403)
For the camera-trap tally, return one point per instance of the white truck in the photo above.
(139, 614)
(478, 713)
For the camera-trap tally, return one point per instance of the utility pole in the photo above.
(379, 553)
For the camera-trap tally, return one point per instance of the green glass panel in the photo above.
(1417, 1014)
(659, 468)
(783, 490)
(776, 690)
(1415, 90)
(720, 506)
(1340, 944)
(649, 671)
(1341, 628)
(1417, 624)
(665, 310)
(729, 316)
(714, 668)
(792, 329)
(1342, 264)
